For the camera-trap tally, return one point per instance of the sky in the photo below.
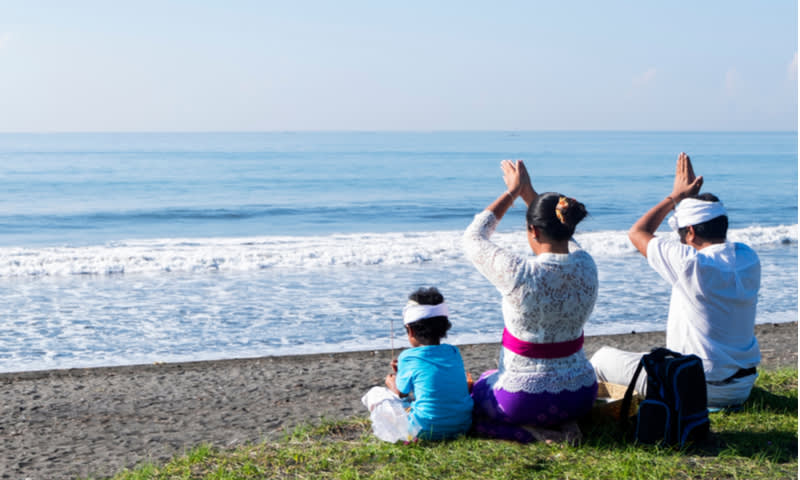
(170, 65)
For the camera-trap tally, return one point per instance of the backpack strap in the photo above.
(626, 400)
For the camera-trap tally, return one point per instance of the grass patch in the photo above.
(759, 442)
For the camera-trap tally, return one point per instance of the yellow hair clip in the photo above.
(561, 207)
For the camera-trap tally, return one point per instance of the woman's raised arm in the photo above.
(518, 182)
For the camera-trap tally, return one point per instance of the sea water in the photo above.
(138, 248)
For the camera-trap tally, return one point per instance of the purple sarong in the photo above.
(501, 414)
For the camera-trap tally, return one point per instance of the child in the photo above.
(432, 371)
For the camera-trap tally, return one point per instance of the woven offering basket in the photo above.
(609, 400)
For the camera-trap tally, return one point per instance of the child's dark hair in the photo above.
(714, 229)
(556, 214)
(429, 331)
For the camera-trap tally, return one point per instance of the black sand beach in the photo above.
(82, 422)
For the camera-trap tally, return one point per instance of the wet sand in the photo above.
(97, 421)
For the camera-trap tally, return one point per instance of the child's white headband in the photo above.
(413, 311)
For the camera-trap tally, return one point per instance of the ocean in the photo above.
(128, 248)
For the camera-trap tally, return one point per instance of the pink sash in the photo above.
(541, 350)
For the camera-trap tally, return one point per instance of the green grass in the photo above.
(758, 443)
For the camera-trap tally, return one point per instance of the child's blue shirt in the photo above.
(442, 405)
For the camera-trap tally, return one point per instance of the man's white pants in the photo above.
(618, 366)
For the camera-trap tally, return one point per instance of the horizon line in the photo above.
(583, 130)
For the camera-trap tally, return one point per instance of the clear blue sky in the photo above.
(374, 65)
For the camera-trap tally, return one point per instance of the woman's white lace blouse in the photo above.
(547, 298)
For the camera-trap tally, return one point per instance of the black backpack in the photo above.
(675, 408)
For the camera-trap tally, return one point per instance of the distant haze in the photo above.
(358, 65)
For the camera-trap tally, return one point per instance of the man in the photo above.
(715, 286)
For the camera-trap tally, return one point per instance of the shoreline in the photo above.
(97, 421)
(71, 371)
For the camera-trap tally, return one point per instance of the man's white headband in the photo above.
(693, 212)
(413, 311)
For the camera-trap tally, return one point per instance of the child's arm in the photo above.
(391, 384)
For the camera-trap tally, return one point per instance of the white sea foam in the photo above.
(305, 253)
(342, 298)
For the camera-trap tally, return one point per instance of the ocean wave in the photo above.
(101, 220)
(98, 219)
(307, 253)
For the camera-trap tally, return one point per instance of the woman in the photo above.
(544, 380)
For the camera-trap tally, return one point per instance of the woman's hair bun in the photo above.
(570, 212)
(556, 214)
